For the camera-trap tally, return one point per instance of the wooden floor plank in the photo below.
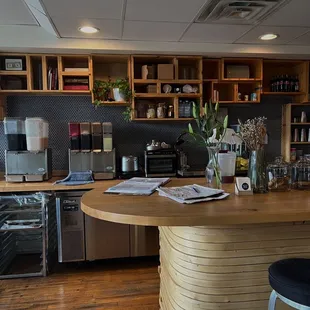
(109, 285)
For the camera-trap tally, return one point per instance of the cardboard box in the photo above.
(165, 71)
(238, 72)
(149, 72)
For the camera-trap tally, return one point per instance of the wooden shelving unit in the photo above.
(291, 111)
(207, 74)
(183, 70)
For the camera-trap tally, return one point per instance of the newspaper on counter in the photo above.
(137, 186)
(189, 194)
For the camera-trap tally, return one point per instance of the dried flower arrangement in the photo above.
(253, 133)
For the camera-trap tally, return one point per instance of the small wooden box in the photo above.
(151, 88)
(165, 71)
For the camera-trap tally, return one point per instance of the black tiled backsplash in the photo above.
(129, 138)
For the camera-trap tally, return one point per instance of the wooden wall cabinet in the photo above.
(291, 113)
(149, 92)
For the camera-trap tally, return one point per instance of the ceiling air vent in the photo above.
(238, 12)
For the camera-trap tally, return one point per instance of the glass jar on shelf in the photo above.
(302, 173)
(171, 111)
(151, 111)
(279, 175)
(161, 110)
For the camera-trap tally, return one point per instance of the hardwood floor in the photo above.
(110, 285)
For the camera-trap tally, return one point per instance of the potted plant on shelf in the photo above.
(121, 90)
(101, 91)
(209, 133)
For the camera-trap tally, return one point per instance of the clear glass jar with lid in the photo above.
(279, 175)
(302, 168)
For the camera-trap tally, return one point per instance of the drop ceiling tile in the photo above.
(68, 28)
(286, 34)
(153, 31)
(303, 40)
(163, 10)
(111, 9)
(295, 13)
(214, 33)
(15, 12)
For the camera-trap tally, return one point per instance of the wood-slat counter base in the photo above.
(225, 267)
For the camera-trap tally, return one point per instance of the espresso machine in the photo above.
(91, 148)
(27, 157)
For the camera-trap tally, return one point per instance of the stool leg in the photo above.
(272, 301)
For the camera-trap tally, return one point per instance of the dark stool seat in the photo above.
(291, 279)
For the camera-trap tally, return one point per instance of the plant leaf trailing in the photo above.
(127, 114)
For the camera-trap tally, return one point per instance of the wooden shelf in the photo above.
(301, 124)
(211, 80)
(243, 80)
(162, 119)
(149, 81)
(170, 95)
(305, 143)
(283, 93)
(245, 102)
(75, 73)
(5, 91)
(114, 103)
(5, 72)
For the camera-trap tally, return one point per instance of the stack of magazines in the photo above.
(189, 194)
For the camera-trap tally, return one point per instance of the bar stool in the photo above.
(290, 280)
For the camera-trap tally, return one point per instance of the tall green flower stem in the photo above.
(207, 120)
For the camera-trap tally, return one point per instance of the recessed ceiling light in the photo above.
(268, 36)
(88, 29)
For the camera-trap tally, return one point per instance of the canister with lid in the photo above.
(35, 130)
(85, 137)
(14, 129)
(96, 130)
(74, 134)
(302, 168)
(279, 175)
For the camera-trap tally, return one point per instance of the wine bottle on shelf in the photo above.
(296, 84)
(286, 83)
(281, 88)
(277, 88)
(292, 87)
(272, 84)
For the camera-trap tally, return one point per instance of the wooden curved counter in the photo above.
(215, 255)
(160, 211)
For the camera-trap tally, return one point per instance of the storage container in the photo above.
(227, 164)
(279, 175)
(85, 137)
(35, 133)
(96, 129)
(302, 174)
(14, 129)
(74, 134)
(45, 134)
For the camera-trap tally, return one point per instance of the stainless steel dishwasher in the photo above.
(81, 237)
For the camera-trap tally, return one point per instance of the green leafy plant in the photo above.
(207, 120)
(128, 114)
(102, 90)
(124, 88)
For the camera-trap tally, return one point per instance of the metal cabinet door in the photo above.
(105, 239)
(144, 240)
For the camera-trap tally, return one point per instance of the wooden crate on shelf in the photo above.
(289, 112)
(295, 68)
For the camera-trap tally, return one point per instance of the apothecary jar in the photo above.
(279, 175)
(301, 171)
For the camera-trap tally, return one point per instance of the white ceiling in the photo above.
(170, 22)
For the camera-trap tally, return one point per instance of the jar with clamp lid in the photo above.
(279, 175)
(302, 168)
